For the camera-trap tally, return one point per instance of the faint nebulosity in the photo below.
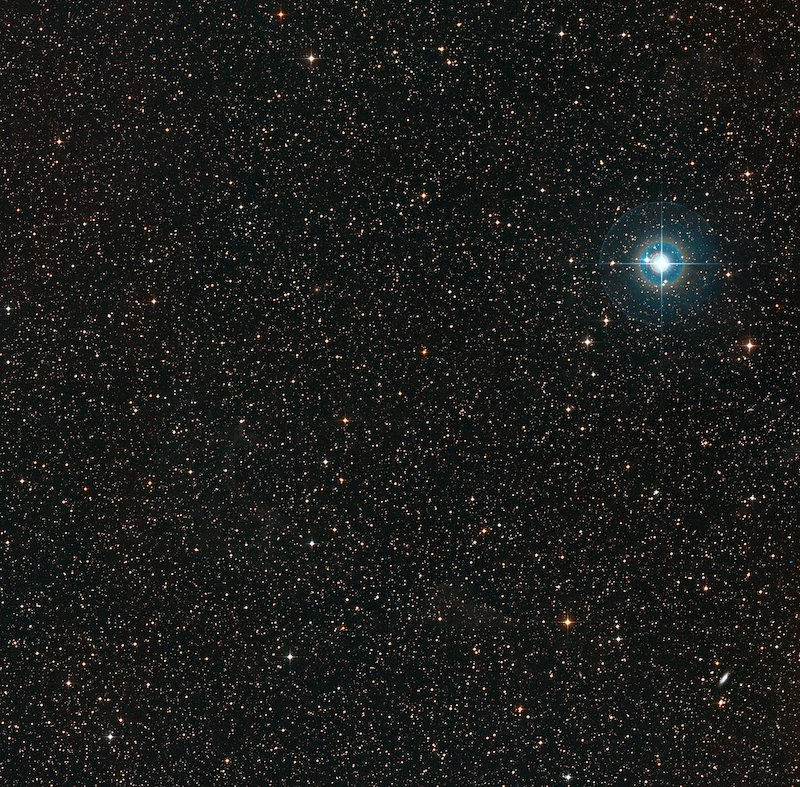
(326, 457)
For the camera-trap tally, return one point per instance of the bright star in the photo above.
(660, 262)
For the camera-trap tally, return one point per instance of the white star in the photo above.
(660, 262)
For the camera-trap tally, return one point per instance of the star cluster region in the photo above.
(323, 460)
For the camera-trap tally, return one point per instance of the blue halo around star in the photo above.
(659, 262)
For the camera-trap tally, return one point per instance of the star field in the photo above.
(327, 460)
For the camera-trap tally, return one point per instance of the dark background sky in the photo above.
(306, 459)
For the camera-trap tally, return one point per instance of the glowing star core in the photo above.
(661, 263)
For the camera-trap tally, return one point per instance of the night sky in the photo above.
(327, 457)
